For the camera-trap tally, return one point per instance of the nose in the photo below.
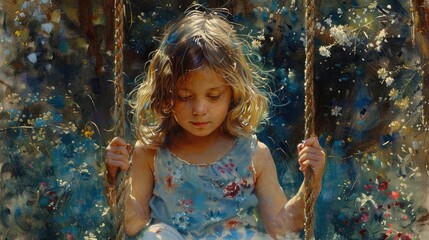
(199, 108)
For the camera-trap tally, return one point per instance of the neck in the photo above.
(206, 149)
(198, 143)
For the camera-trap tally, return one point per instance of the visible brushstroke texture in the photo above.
(371, 93)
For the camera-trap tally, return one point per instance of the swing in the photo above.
(119, 114)
(309, 114)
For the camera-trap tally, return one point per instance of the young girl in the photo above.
(198, 171)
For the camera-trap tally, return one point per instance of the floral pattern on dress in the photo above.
(203, 201)
(231, 190)
(181, 220)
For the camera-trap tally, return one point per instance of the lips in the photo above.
(200, 124)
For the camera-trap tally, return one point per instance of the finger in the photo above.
(117, 141)
(313, 142)
(116, 157)
(314, 150)
(299, 147)
(118, 150)
(113, 165)
(315, 166)
(311, 155)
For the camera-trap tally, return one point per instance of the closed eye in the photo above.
(214, 97)
(185, 98)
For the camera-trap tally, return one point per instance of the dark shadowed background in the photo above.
(372, 111)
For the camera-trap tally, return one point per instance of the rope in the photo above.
(119, 113)
(119, 78)
(309, 200)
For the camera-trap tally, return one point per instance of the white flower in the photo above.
(389, 81)
(328, 21)
(256, 43)
(382, 73)
(261, 37)
(89, 236)
(341, 35)
(336, 111)
(393, 94)
(73, 127)
(372, 5)
(325, 51)
(381, 35)
(366, 199)
(379, 39)
(403, 103)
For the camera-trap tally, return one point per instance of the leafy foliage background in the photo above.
(372, 86)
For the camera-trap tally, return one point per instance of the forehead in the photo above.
(203, 78)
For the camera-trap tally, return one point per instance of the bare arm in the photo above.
(137, 211)
(139, 184)
(116, 159)
(279, 215)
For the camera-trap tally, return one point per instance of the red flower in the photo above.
(231, 190)
(395, 195)
(364, 217)
(232, 224)
(383, 186)
(398, 236)
(368, 187)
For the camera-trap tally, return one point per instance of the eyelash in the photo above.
(214, 97)
(186, 98)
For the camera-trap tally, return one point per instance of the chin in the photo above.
(199, 132)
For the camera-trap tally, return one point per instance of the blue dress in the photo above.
(207, 201)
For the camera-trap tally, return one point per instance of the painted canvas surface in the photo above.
(371, 92)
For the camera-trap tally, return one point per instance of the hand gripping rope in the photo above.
(309, 200)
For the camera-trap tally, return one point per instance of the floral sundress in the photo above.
(208, 201)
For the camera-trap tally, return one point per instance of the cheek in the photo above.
(223, 108)
(179, 107)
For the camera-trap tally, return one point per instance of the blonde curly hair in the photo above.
(200, 38)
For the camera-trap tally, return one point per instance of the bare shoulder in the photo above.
(261, 151)
(143, 156)
(262, 158)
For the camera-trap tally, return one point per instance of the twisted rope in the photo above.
(119, 113)
(309, 200)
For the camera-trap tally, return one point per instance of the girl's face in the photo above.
(202, 102)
